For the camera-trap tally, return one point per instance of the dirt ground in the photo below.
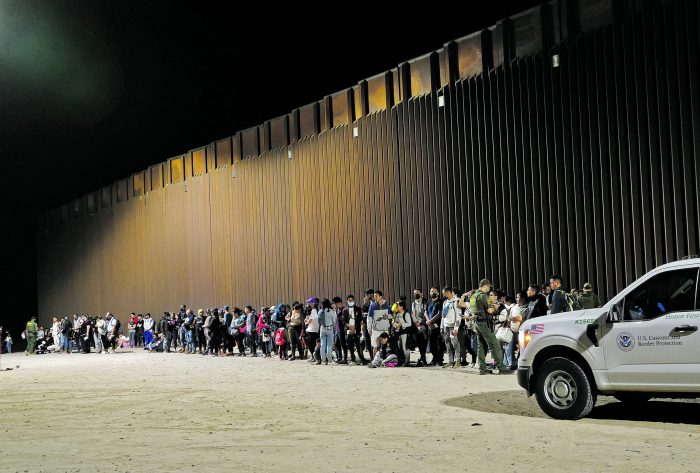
(135, 411)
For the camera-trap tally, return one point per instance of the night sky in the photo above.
(91, 91)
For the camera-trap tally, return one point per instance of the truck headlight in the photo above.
(523, 339)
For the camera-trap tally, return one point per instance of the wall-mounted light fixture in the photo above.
(185, 186)
(355, 132)
(233, 170)
(289, 153)
(555, 60)
(441, 100)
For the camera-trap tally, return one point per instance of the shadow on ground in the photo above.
(664, 412)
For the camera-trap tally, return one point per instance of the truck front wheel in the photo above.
(563, 390)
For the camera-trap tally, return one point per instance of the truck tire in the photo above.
(562, 389)
(629, 397)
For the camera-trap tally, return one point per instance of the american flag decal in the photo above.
(537, 329)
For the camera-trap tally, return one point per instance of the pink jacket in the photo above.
(261, 324)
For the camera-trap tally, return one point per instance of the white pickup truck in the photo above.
(643, 343)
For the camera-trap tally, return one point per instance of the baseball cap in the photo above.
(485, 282)
(312, 300)
(587, 286)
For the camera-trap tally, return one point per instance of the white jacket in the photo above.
(452, 316)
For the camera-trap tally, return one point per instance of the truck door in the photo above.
(653, 341)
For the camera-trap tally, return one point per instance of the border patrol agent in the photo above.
(479, 304)
(32, 329)
(588, 300)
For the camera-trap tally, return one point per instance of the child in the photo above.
(281, 342)
(264, 332)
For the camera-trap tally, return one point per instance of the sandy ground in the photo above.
(135, 411)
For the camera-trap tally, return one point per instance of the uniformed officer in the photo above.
(588, 300)
(32, 329)
(479, 305)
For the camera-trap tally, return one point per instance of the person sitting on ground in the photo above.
(384, 354)
(158, 343)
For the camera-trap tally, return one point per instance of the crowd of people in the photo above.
(448, 324)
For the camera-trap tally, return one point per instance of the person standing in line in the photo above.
(239, 324)
(199, 340)
(225, 332)
(467, 337)
(479, 305)
(402, 323)
(8, 343)
(171, 336)
(181, 327)
(131, 329)
(558, 304)
(341, 343)
(449, 326)
(517, 316)
(433, 319)
(296, 320)
(112, 330)
(148, 325)
(588, 299)
(505, 318)
(76, 331)
(418, 313)
(66, 328)
(265, 332)
(251, 327)
(378, 319)
(537, 302)
(366, 326)
(99, 334)
(312, 330)
(139, 331)
(352, 317)
(87, 335)
(546, 290)
(190, 330)
(211, 331)
(326, 319)
(55, 333)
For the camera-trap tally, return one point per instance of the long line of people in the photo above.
(449, 325)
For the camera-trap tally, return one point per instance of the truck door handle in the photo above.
(686, 328)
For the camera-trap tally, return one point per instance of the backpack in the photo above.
(571, 302)
(280, 338)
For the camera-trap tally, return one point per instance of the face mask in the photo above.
(417, 296)
(351, 303)
(434, 296)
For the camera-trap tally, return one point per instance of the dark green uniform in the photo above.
(31, 336)
(588, 300)
(478, 305)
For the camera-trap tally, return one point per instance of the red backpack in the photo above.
(280, 338)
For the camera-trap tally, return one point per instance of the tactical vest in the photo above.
(473, 307)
